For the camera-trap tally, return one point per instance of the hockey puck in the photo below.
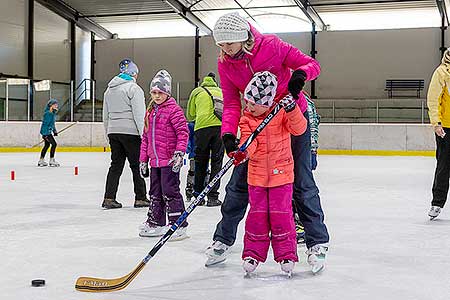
(38, 282)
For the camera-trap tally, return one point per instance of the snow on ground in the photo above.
(382, 244)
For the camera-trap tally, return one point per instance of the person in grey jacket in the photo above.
(123, 118)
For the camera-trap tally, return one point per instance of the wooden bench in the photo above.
(404, 85)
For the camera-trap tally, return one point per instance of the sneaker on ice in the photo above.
(42, 163)
(217, 253)
(147, 230)
(141, 203)
(53, 162)
(111, 203)
(434, 212)
(249, 265)
(179, 234)
(287, 266)
(317, 255)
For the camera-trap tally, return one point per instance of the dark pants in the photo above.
(165, 197)
(48, 140)
(442, 173)
(124, 146)
(207, 143)
(306, 197)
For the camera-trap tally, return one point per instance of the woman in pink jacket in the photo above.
(270, 175)
(164, 143)
(243, 52)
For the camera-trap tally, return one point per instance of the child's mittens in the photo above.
(313, 160)
(239, 157)
(176, 161)
(288, 103)
(143, 169)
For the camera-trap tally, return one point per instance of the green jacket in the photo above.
(200, 106)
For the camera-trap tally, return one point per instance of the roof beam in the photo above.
(144, 13)
(361, 2)
(311, 13)
(71, 14)
(186, 14)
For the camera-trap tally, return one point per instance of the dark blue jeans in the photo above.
(306, 197)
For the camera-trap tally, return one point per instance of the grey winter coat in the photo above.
(124, 107)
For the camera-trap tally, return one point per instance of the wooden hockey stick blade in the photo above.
(99, 285)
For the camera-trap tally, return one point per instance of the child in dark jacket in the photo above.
(47, 128)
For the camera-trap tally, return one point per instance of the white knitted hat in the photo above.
(231, 28)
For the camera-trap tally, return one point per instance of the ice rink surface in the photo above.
(382, 244)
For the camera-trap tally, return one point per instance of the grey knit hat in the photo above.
(231, 28)
(162, 82)
(261, 89)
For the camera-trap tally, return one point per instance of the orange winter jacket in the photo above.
(270, 155)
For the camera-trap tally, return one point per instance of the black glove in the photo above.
(288, 103)
(55, 133)
(143, 169)
(296, 83)
(230, 142)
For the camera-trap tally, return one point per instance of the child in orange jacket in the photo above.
(270, 175)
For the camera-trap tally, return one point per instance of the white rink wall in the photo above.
(397, 137)
(26, 134)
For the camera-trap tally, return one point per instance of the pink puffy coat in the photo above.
(271, 54)
(167, 132)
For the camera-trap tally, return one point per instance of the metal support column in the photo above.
(92, 65)
(197, 57)
(443, 28)
(30, 58)
(313, 55)
(72, 51)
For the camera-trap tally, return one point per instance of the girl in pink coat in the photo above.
(164, 143)
(243, 52)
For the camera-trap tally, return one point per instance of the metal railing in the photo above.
(372, 110)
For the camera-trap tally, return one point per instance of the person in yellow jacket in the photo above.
(208, 143)
(438, 100)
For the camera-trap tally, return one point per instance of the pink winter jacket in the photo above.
(167, 132)
(271, 54)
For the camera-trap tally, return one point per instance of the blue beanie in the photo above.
(51, 102)
(127, 66)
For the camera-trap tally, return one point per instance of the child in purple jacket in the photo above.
(164, 143)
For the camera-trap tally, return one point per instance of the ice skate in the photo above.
(287, 266)
(141, 203)
(217, 253)
(42, 163)
(316, 257)
(147, 230)
(111, 204)
(434, 212)
(249, 265)
(179, 235)
(300, 231)
(53, 162)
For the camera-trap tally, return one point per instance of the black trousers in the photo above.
(207, 144)
(124, 146)
(48, 140)
(442, 173)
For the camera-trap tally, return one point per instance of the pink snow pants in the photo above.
(270, 212)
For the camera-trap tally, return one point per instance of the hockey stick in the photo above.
(65, 128)
(91, 284)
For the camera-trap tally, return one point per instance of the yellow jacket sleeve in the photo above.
(434, 94)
